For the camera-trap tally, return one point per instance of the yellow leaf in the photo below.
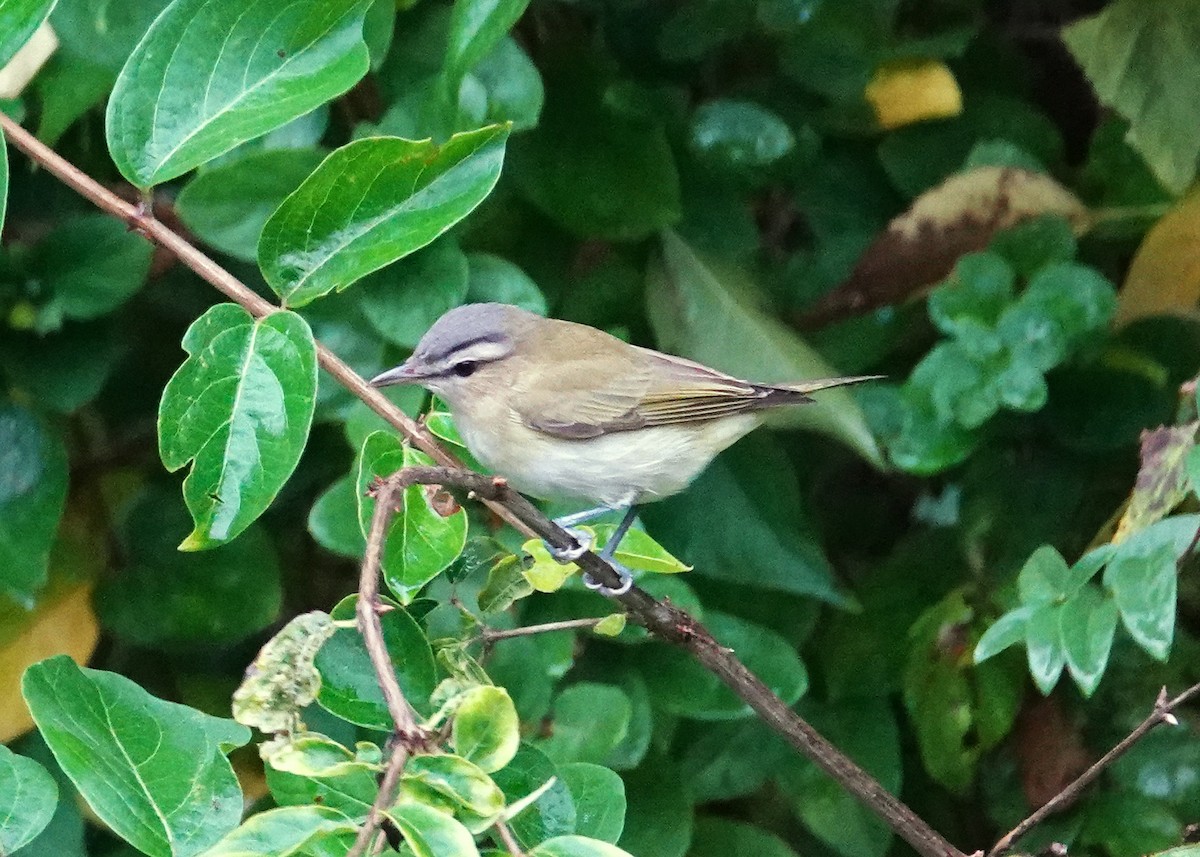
(1162, 481)
(904, 92)
(610, 625)
(547, 574)
(63, 624)
(1165, 274)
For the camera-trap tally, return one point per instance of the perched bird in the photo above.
(564, 411)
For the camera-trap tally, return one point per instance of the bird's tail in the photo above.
(807, 387)
(774, 395)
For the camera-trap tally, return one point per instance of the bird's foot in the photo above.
(583, 543)
(611, 591)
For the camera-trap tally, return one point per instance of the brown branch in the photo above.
(491, 635)
(408, 736)
(1162, 713)
(674, 625)
(230, 286)
(510, 842)
(662, 619)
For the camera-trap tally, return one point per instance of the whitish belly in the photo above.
(614, 469)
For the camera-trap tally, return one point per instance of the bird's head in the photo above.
(464, 352)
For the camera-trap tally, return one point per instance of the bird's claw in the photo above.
(583, 543)
(611, 591)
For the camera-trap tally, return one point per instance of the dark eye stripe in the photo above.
(489, 339)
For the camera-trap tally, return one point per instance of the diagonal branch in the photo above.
(661, 618)
(1163, 713)
(674, 625)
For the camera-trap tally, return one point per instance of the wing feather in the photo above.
(642, 388)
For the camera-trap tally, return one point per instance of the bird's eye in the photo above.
(465, 368)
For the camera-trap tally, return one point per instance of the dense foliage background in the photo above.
(968, 576)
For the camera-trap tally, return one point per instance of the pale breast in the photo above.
(614, 469)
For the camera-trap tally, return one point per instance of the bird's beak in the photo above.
(405, 373)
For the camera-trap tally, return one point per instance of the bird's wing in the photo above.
(643, 388)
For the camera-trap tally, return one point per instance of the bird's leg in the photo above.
(607, 555)
(583, 542)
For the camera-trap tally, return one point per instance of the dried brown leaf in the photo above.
(959, 216)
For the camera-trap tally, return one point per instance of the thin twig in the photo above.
(369, 608)
(407, 736)
(1163, 713)
(491, 635)
(387, 793)
(662, 619)
(510, 841)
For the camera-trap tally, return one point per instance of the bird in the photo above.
(564, 411)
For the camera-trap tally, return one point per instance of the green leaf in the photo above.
(476, 27)
(33, 491)
(746, 504)
(1139, 54)
(679, 685)
(101, 32)
(66, 369)
(724, 761)
(68, 87)
(283, 681)
(153, 771)
(577, 846)
(596, 174)
(18, 20)
(403, 300)
(1143, 585)
(1044, 646)
(349, 688)
(485, 729)
(226, 206)
(208, 76)
(372, 202)
(312, 769)
(239, 409)
(552, 814)
(91, 265)
(720, 837)
(28, 794)
(468, 792)
(1088, 622)
(492, 279)
(978, 290)
(168, 597)
(432, 833)
(714, 316)
(865, 730)
(506, 583)
(588, 721)
(639, 552)
(660, 816)
(599, 796)
(1044, 577)
(739, 134)
(333, 520)
(1007, 631)
(63, 836)
(513, 85)
(286, 831)
(421, 540)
